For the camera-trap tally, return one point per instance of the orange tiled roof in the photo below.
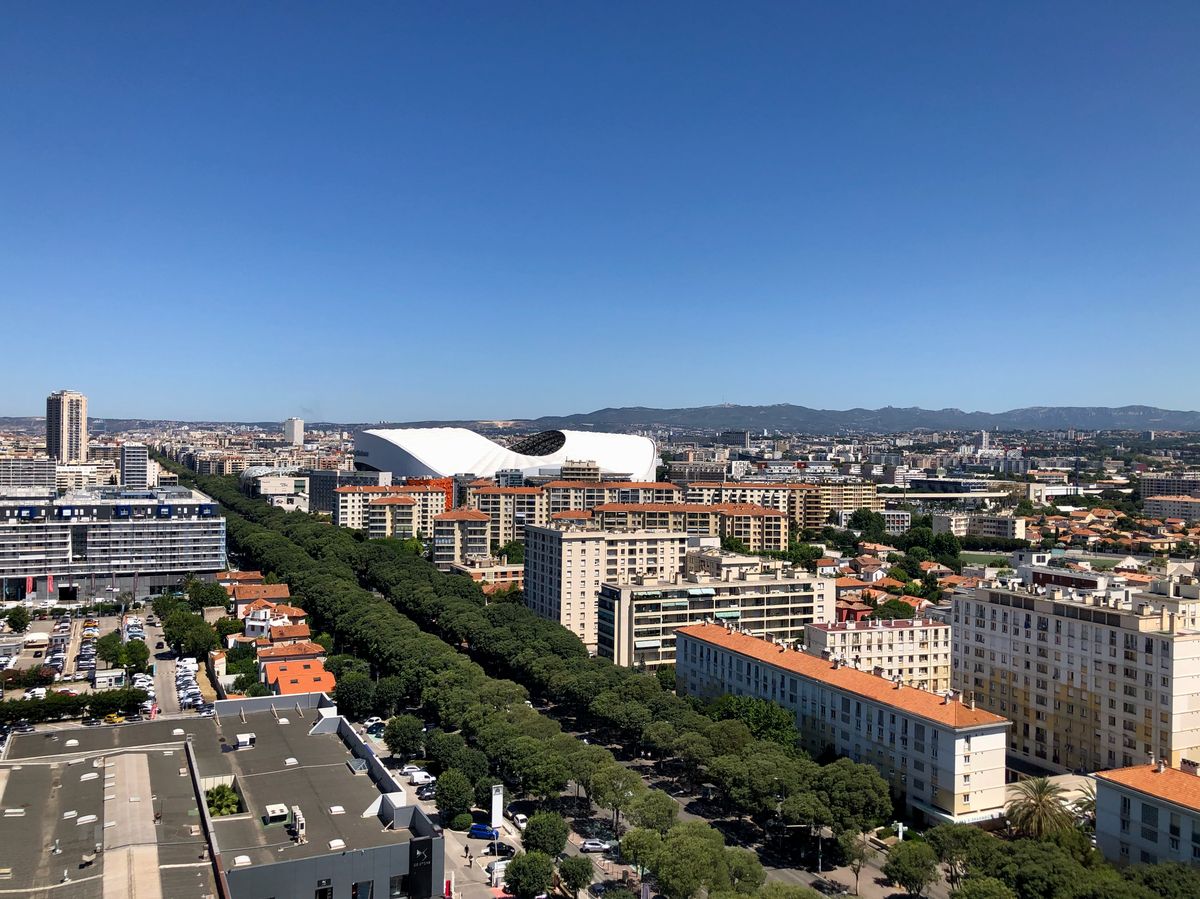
(1170, 784)
(233, 576)
(917, 702)
(570, 513)
(393, 501)
(719, 508)
(463, 515)
(243, 592)
(290, 632)
(850, 583)
(289, 650)
(289, 611)
(368, 488)
(299, 677)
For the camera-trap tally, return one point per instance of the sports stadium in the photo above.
(444, 452)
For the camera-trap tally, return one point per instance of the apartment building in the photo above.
(293, 431)
(1008, 527)
(895, 521)
(1147, 814)
(943, 757)
(101, 537)
(84, 475)
(562, 496)
(28, 472)
(458, 535)
(135, 466)
(510, 510)
(66, 426)
(391, 516)
(1173, 506)
(432, 500)
(638, 619)
(566, 564)
(492, 573)
(759, 528)
(323, 484)
(915, 650)
(1089, 680)
(1179, 483)
(350, 510)
(806, 505)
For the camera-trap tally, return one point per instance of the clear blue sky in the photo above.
(362, 212)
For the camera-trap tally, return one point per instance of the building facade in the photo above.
(323, 484)
(915, 650)
(28, 472)
(1090, 680)
(1177, 506)
(759, 528)
(1147, 814)
(132, 540)
(458, 535)
(135, 466)
(637, 620)
(353, 501)
(391, 516)
(565, 566)
(293, 431)
(1008, 527)
(945, 759)
(66, 426)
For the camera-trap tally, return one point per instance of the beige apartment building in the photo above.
(1008, 527)
(67, 426)
(917, 651)
(391, 516)
(431, 502)
(566, 495)
(510, 510)
(566, 564)
(638, 619)
(352, 503)
(1090, 679)
(943, 756)
(491, 572)
(759, 528)
(806, 505)
(458, 535)
(1185, 507)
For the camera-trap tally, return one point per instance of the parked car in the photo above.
(481, 831)
(409, 769)
(594, 845)
(427, 792)
(92, 722)
(372, 721)
(497, 866)
(421, 778)
(502, 850)
(114, 718)
(519, 821)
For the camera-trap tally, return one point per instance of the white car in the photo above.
(420, 778)
(519, 821)
(410, 769)
(371, 722)
(595, 846)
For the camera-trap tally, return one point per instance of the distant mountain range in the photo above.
(781, 417)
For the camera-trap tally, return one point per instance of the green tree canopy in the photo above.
(983, 888)
(546, 832)
(18, 620)
(355, 696)
(529, 874)
(913, 865)
(576, 872)
(1039, 809)
(654, 810)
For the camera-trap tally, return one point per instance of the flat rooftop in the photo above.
(128, 789)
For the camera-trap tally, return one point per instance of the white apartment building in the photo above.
(895, 521)
(945, 757)
(431, 502)
(637, 619)
(84, 475)
(28, 472)
(1008, 527)
(915, 650)
(135, 466)
(293, 431)
(96, 538)
(1147, 814)
(565, 566)
(1185, 507)
(1089, 680)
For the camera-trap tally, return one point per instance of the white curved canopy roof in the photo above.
(442, 452)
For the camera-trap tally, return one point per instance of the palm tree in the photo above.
(1085, 807)
(1038, 809)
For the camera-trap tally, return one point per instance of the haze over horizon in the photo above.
(230, 213)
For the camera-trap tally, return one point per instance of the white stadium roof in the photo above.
(443, 452)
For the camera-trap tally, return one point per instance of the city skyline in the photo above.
(966, 192)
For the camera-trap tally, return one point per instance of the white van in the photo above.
(421, 778)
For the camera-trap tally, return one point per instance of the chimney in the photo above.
(1160, 767)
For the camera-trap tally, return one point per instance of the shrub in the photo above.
(462, 821)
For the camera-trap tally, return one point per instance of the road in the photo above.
(164, 672)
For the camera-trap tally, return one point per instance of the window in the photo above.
(324, 889)
(398, 886)
(362, 890)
